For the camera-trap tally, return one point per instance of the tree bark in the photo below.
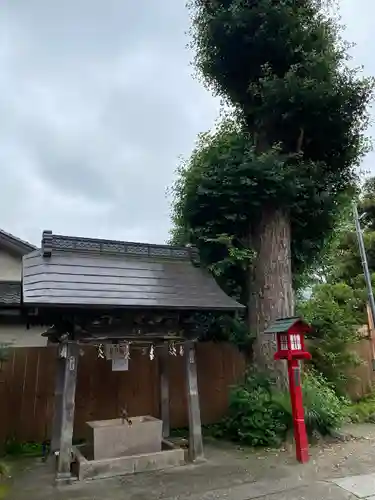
(271, 293)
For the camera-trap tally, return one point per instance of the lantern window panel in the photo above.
(283, 342)
(295, 341)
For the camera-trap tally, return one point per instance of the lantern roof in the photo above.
(283, 325)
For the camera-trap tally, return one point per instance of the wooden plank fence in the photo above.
(363, 380)
(27, 389)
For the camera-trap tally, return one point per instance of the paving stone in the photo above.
(274, 490)
(317, 491)
(362, 486)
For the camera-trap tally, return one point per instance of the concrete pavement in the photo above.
(336, 471)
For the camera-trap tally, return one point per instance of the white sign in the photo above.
(114, 351)
(191, 357)
(72, 363)
(120, 364)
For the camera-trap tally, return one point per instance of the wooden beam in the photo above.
(195, 427)
(135, 340)
(67, 413)
(164, 389)
(59, 389)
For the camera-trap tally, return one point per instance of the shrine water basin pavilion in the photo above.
(97, 291)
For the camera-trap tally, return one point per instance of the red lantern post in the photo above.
(291, 346)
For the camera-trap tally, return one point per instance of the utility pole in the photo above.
(362, 252)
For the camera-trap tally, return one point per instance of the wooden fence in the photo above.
(27, 389)
(363, 381)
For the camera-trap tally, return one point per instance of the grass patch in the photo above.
(181, 432)
(4, 476)
(363, 410)
(4, 489)
(14, 448)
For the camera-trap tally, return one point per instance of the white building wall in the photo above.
(10, 267)
(20, 336)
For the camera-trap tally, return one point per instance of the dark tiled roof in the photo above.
(92, 272)
(10, 293)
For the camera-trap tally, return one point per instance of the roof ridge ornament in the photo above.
(98, 246)
(47, 243)
(193, 254)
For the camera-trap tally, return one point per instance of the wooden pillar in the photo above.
(59, 389)
(195, 427)
(164, 390)
(67, 410)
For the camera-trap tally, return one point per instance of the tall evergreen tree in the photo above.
(271, 179)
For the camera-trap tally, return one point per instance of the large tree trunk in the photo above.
(271, 293)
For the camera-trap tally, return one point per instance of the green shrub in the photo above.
(260, 416)
(363, 410)
(253, 417)
(324, 410)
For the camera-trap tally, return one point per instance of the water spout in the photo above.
(125, 416)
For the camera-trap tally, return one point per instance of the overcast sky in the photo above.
(97, 102)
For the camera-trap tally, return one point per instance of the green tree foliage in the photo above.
(337, 308)
(367, 204)
(335, 311)
(213, 327)
(217, 170)
(280, 168)
(345, 254)
(217, 200)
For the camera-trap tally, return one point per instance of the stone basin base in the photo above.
(88, 468)
(116, 438)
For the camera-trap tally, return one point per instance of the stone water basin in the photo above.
(115, 438)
